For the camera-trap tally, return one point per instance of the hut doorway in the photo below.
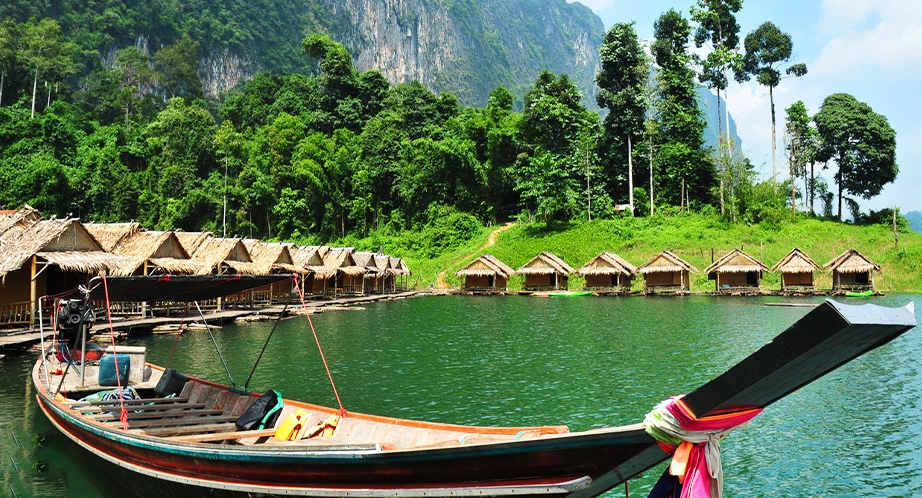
(752, 278)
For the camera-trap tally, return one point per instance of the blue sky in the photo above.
(871, 49)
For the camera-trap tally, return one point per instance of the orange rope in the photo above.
(342, 410)
(118, 378)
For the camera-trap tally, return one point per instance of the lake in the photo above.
(514, 360)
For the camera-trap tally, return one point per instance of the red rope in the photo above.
(118, 378)
(342, 410)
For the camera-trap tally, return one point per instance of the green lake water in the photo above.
(584, 362)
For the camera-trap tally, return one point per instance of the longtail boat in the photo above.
(187, 442)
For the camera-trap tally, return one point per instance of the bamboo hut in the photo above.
(401, 273)
(797, 270)
(347, 277)
(545, 272)
(191, 241)
(45, 257)
(666, 272)
(485, 274)
(220, 256)
(17, 219)
(385, 281)
(274, 258)
(316, 274)
(851, 270)
(736, 272)
(367, 261)
(608, 272)
(110, 235)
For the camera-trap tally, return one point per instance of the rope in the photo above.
(342, 410)
(118, 378)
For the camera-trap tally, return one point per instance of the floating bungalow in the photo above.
(372, 275)
(401, 274)
(666, 272)
(110, 235)
(485, 274)
(220, 256)
(40, 257)
(545, 272)
(608, 272)
(316, 274)
(736, 272)
(347, 278)
(851, 270)
(797, 271)
(273, 258)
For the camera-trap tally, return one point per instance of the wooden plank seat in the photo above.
(186, 430)
(144, 408)
(193, 412)
(155, 401)
(175, 423)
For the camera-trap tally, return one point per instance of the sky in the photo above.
(871, 49)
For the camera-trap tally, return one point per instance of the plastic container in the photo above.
(107, 369)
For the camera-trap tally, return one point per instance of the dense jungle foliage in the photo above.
(343, 155)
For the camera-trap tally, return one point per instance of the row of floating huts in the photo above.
(41, 256)
(734, 273)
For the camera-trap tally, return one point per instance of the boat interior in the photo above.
(201, 412)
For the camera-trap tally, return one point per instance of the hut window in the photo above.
(862, 278)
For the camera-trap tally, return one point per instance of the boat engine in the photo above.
(71, 317)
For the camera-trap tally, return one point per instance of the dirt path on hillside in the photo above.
(440, 281)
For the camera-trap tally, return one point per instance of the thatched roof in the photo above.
(545, 263)
(486, 265)
(162, 249)
(269, 257)
(665, 262)
(399, 267)
(340, 259)
(308, 259)
(851, 261)
(383, 263)
(796, 261)
(367, 260)
(735, 261)
(64, 243)
(109, 235)
(608, 263)
(230, 252)
(192, 241)
(17, 219)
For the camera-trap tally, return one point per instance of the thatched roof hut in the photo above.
(545, 271)
(308, 258)
(272, 258)
(17, 219)
(736, 271)
(666, 271)
(486, 273)
(349, 278)
(796, 269)
(852, 270)
(608, 271)
(154, 252)
(109, 235)
(222, 256)
(399, 267)
(47, 257)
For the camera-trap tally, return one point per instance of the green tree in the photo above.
(801, 147)
(46, 53)
(860, 141)
(8, 36)
(767, 48)
(621, 81)
(176, 68)
(678, 127)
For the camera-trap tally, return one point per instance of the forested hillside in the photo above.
(343, 153)
(466, 47)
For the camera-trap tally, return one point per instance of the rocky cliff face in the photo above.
(466, 47)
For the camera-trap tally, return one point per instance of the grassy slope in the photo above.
(692, 237)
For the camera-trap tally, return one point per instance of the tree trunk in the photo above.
(651, 179)
(34, 89)
(771, 100)
(840, 200)
(720, 152)
(812, 193)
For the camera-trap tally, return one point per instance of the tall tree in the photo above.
(8, 36)
(678, 128)
(621, 81)
(177, 67)
(46, 53)
(801, 147)
(717, 26)
(860, 141)
(767, 49)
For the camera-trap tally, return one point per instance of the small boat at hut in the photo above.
(569, 293)
(182, 435)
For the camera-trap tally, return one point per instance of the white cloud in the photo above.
(869, 34)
